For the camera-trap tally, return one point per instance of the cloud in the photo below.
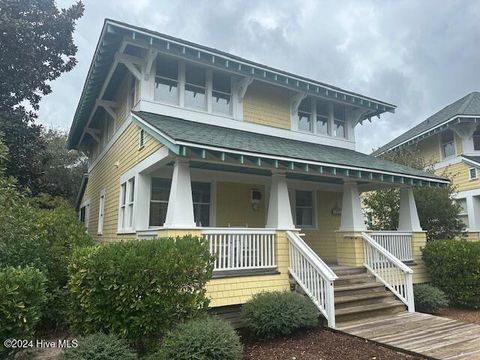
(419, 55)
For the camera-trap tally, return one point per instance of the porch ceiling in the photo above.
(205, 143)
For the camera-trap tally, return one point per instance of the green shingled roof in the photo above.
(468, 105)
(179, 130)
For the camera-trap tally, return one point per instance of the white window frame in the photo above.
(293, 198)
(101, 212)
(442, 144)
(181, 82)
(470, 173)
(126, 211)
(86, 205)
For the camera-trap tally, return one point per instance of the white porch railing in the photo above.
(313, 275)
(388, 269)
(241, 248)
(397, 243)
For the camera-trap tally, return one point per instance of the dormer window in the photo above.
(221, 94)
(304, 115)
(339, 120)
(166, 81)
(195, 88)
(447, 144)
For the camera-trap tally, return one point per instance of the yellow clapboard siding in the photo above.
(429, 149)
(267, 105)
(460, 176)
(420, 274)
(106, 175)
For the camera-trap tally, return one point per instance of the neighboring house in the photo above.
(183, 138)
(450, 141)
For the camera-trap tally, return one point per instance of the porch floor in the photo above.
(428, 335)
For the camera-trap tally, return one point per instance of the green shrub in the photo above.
(429, 299)
(272, 314)
(22, 297)
(203, 339)
(454, 267)
(99, 347)
(139, 289)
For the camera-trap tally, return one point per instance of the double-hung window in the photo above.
(159, 202)
(304, 115)
(447, 143)
(166, 81)
(322, 111)
(476, 140)
(195, 87)
(221, 94)
(127, 201)
(84, 214)
(304, 209)
(339, 121)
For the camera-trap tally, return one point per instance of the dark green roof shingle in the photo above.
(233, 139)
(467, 105)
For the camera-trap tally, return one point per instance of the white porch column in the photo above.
(279, 210)
(180, 202)
(143, 184)
(408, 219)
(352, 216)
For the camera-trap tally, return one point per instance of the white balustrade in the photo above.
(397, 243)
(312, 275)
(388, 269)
(241, 249)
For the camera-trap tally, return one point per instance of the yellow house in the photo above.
(449, 140)
(183, 138)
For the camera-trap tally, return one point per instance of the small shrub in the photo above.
(22, 297)
(139, 289)
(99, 347)
(429, 299)
(454, 267)
(272, 314)
(208, 339)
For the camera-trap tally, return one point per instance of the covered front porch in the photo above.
(274, 211)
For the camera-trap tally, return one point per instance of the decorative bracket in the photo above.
(243, 85)
(150, 58)
(295, 101)
(131, 63)
(358, 116)
(108, 106)
(464, 130)
(93, 133)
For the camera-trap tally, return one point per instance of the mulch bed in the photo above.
(317, 344)
(471, 316)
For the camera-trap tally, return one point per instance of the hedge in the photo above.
(99, 346)
(210, 338)
(22, 298)
(454, 267)
(429, 299)
(272, 314)
(139, 289)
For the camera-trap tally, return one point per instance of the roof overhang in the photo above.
(228, 156)
(115, 34)
(449, 123)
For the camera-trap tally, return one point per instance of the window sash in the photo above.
(308, 206)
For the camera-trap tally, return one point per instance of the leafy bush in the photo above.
(22, 297)
(99, 347)
(139, 289)
(429, 299)
(210, 338)
(272, 314)
(454, 267)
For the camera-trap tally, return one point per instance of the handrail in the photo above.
(388, 255)
(231, 230)
(389, 232)
(389, 270)
(312, 275)
(399, 243)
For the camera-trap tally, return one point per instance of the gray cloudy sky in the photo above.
(418, 55)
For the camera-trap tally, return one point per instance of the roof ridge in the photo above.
(466, 102)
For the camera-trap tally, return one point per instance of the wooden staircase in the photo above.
(358, 296)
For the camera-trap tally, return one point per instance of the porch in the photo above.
(272, 220)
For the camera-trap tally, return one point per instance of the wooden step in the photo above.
(348, 270)
(378, 308)
(357, 289)
(358, 299)
(354, 278)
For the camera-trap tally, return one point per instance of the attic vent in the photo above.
(141, 139)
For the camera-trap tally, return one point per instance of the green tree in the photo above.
(63, 169)
(36, 47)
(437, 211)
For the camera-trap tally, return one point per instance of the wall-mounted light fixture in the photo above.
(255, 197)
(336, 210)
